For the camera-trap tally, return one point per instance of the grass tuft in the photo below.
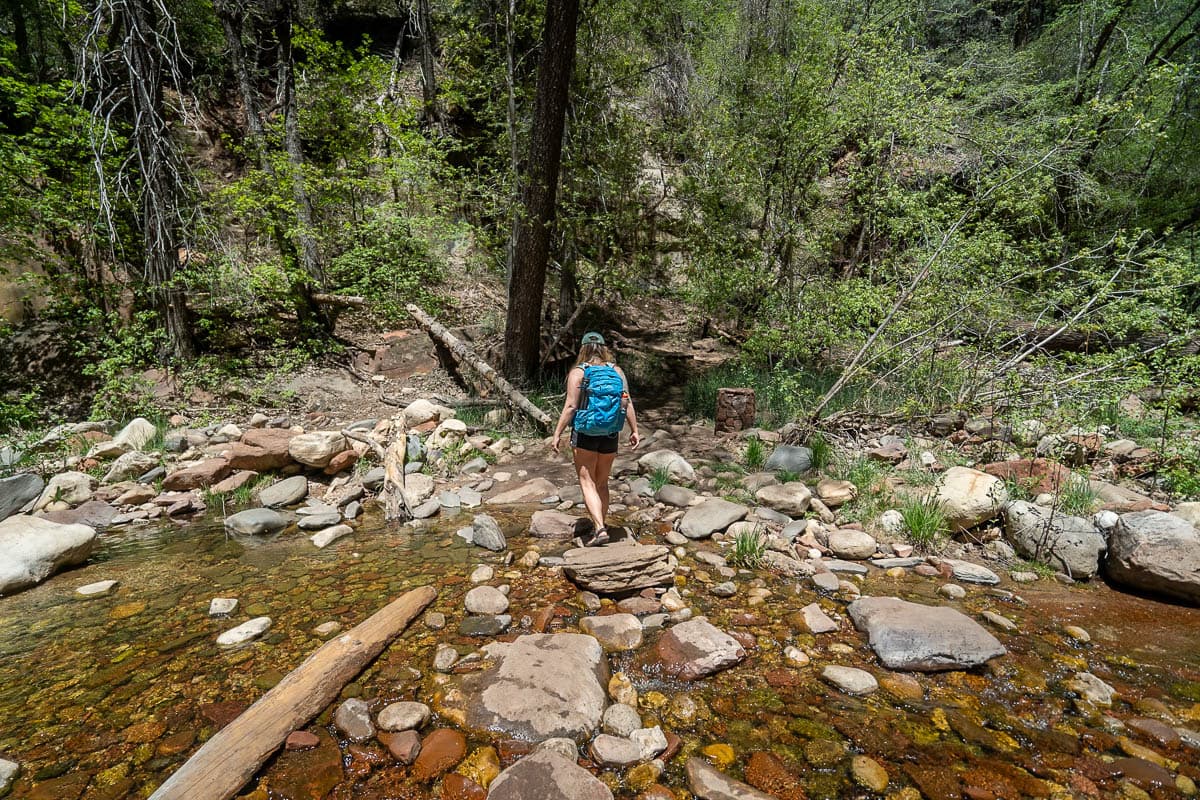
(822, 452)
(659, 478)
(749, 547)
(925, 522)
(755, 455)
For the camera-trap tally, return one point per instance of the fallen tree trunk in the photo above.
(463, 352)
(227, 761)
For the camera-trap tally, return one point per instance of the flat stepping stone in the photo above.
(817, 620)
(692, 650)
(284, 493)
(971, 573)
(619, 567)
(97, 589)
(318, 522)
(222, 606)
(851, 567)
(615, 632)
(889, 563)
(911, 636)
(547, 775)
(245, 632)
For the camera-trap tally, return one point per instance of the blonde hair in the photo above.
(592, 352)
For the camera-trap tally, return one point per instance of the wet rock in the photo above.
(1070, 543)
(615, 632)
(286, 492)
(1091, 689)
(952, 591)
(222, 606)
(256, 521)
(902, 686)
(539, 686)
(694, 649)
(19, 491)
(301, 740)
(621, 720)
(319, 521)
(557, 525)
(485, 532)
(706, 518)
(651, 742)
(677, 466)
(32, 549)
(618, 567)
(1160, 732)
(850, 543)
(1000, 621)
(485, 625)
(970, 573)
(910, 636)
(826, 582)
(244, 632)
(677, 496)
(330, 535)
(789, 458)
(547, 775)
(720, 755)
(849, 679)
(9, 770)
(707, 783)
(792, 498)
(444, 658)
(404, 746)
(97, 589)
(441, 750)
(816, 620)
(1156, 552)
(353, 718)
(768, 772)
(1144, 774)
(532, 491)
(486, 600)
(614, 751)
(968, 496)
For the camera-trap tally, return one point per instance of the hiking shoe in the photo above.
(596, 539)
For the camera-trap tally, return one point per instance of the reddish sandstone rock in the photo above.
(261, 450)
(306, 774)
(341, 462)
(768, 772)
(1037, 475)
(200, 476)
(459, 787)
(440, 751)
(404, 746)
(301, 740)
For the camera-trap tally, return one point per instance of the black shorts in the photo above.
(594, 444)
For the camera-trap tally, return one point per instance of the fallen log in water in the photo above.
(463, 352)
(227, 761)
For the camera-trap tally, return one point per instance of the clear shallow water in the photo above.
(105, 697)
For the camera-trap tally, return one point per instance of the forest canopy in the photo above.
(962, 202)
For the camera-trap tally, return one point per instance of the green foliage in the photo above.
(925, 522)
(20, 411)
(755, 454)
(749, 547)
(1076, 496)
(1182, 471)
(659, 478)
(822, 452)
(121, 356)
(787, 476)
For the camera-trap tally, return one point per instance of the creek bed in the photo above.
(109, 695)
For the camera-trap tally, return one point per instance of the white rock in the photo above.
(405, 716)
(71, 488)
(486, 600)
(621, 720)
(892, 522)
(318, 448)
(245, 632)
(850, 680)
(1092, 689)
(676, 465)
(650, 741)
(449, 432)
(97, 589)
(482, 574)
(32, 549)
(221, 606)
(968, 496)
(330, 535)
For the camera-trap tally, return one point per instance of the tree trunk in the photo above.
(429, 91)
(532, 246)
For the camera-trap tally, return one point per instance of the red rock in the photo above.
(440, 751)
(512, 749)
(639, 605)
(459, 787)
(202, 475)
(1036, 475)
(301, 740)
(1153, 729)
(68, 787)
(426, 427)
(767, 772)
(936, 783)
(363, 759)
(306, 774)
(783, 678)
(176, 743)
(1082, 785)
(746, 639)
(234, 482)
(404, 746)
(1145, 774)
(341, 462)
(221, 714)
(261, 450)
(674, 745)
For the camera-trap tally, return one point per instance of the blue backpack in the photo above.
(602, 412)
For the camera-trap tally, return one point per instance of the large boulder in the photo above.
(1156, 552)
(911, 636)
(17, 492)
(790, 458)
(792, 498)
(1070, 543)
(968, 497)
(32, 549)
(539, 686)
(692, 650)
(706, 518)
(619, 567)
(547, 775)
(532, 491)
(261, 450)
(318, 448)
(420, 411)
(676, 466)
(71, 488)
(197, 476)
(134, 436)
(130, 465)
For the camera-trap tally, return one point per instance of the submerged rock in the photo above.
(707, 783)
(245, 632)
(692, 650)
(546, 775)
(850, 680)
(911, 636)
(256, 521)
(32, 549)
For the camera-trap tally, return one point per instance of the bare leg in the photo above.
(585, 467)
(604, 462)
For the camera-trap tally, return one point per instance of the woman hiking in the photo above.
(596, 408)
